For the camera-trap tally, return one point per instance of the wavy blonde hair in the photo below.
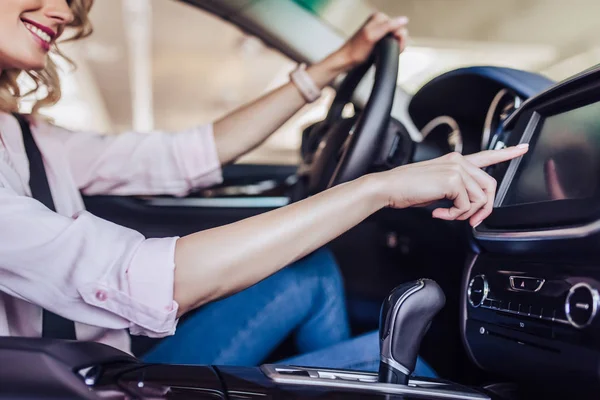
(47, 78)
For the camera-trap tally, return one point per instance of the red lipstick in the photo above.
(43, 28)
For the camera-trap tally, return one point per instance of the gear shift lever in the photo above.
(405, 317)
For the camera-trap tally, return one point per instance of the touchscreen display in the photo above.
(564, 160)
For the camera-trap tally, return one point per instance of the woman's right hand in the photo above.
(453, 177)
(209, 267)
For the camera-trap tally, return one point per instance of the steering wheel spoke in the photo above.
(350, 144)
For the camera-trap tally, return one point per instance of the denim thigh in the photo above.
(306, 298)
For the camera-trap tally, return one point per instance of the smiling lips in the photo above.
(43, 34)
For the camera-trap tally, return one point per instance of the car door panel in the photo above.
(247, 190)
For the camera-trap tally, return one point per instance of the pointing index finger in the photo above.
(491, 157)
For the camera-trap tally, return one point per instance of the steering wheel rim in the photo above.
(358, 138)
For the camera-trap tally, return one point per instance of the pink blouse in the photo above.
(103, 276)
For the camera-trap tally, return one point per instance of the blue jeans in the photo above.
(305, 299)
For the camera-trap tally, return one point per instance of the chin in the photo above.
(38, 66)
(26, 59)
(33, 63)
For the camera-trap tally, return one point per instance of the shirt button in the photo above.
(101, 295)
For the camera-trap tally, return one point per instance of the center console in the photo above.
(51, 369)
(531, 291)
(534, 319)
(44, 368)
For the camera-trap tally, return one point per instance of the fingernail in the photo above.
(401, 20)
(523, 146)
(477, 224)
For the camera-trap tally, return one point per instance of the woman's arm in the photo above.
(249, 126)
(133, 163)
(93, 271)
(84, 268)
(218, 262)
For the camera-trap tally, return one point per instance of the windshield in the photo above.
(556, 39)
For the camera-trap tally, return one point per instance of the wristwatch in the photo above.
(305, 84)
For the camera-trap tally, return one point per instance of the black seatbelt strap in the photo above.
(53, 326)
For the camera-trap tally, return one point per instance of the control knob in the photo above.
(581, 305)
(478, 290)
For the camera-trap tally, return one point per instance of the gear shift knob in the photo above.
(405, 317)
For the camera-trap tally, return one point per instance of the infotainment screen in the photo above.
(564, 160)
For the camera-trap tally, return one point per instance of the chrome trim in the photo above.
(513, 287)
(89, 374)
(518, 104)
(514, 164)
(396, 365)
(487, 126)
(499, 145)
(342, 375)
(387, 345)
(486, 290)
(464, 311)
(434, 123)
(415, 387)
(253, 189)
(595, 301)
(455, 135)
(245, 394)
(219, 202)
(523, 314)
(573, 232)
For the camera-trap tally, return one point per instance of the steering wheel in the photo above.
(347, 147)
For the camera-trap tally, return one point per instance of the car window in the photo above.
(201, 68)
(229, 69)
(446, 35)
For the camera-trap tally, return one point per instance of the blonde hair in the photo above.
(47, 78)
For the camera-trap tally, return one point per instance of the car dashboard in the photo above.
(530, 289)
(463, 109)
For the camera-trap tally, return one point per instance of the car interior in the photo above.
(506, 310)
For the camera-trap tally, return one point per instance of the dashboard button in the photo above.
(526, 284)
(581, 305)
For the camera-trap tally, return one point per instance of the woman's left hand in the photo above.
(279, 105)
(359, 47)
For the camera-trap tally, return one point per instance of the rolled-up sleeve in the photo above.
(133, 163)
(86, 269)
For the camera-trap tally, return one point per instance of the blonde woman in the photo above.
(241, 300)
